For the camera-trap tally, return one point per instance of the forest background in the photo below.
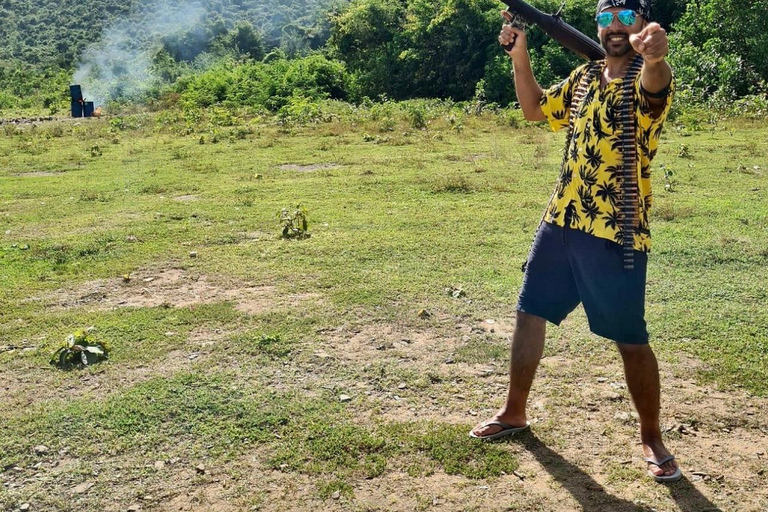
(277, 55)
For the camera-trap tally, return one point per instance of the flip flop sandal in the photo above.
(507, 430)
(674, 477)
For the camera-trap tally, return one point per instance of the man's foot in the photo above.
(661, 464)
(498, 427)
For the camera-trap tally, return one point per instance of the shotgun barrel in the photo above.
(554, 26)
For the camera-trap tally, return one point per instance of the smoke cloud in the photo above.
(119, 65)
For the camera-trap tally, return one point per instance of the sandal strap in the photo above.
(496, 423)
(660, 462)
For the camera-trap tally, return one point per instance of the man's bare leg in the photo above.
(526, 351)
(642, 373)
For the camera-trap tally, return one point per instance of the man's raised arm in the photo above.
(529, 92)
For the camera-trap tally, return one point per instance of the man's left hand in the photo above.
(651, 43)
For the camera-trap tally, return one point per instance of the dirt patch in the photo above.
(309, 168)
(581, 453)
(170, 287)
(22, 387)
(186, 198)
(38, 174)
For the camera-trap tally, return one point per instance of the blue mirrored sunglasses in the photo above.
(627, 17)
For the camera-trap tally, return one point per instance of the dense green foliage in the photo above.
(41, 33)
(265, 85)
(345, 49)
(721, 49)
(448, 48)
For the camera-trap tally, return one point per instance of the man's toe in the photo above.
(483, 430)
(669, 468)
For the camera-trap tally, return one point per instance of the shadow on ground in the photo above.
(591, 496)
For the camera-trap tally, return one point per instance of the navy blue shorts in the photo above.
(566, 267)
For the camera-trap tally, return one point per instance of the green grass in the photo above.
(405, 214)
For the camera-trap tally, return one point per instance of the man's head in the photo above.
(617, 20)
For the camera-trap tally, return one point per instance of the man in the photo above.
(592, 245)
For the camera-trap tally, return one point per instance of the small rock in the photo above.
(345, 398)
(449, 360)
(82, 488)
(41, 449)
(623, 416)
(200, 468)
(402, 385)
(134, 508)
(159, 465)
(602, 379)
(336, 495)
(193, 254)
(25, 506)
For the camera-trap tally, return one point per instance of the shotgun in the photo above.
(556, 28)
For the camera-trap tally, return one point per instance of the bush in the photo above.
(270, 85)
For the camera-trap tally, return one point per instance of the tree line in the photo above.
(358, 49)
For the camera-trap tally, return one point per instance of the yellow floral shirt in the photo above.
(589, 188)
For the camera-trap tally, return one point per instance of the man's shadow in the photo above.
(589, 494)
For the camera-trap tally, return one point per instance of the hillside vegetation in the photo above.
(400, 49)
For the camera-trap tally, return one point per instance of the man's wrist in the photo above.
(660, 95)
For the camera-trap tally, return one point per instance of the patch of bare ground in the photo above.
(24, 386)
(37, 174)
(581, 453)
(173, 287)
(309, 168)
(583, 450)
(186, 198)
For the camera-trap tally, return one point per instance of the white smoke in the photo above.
(117, 66)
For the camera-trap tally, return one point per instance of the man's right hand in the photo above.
(513, 36)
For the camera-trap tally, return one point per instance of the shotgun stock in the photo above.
(554, 26)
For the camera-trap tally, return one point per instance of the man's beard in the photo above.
(612, 51)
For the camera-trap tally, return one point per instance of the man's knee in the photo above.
(526, 322)
(630, 351)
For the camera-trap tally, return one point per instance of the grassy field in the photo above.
(343, 371)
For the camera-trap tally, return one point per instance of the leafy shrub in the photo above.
(80, 350)
(270, 85)
(295, 223)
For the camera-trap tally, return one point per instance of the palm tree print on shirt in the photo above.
(588, 190)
